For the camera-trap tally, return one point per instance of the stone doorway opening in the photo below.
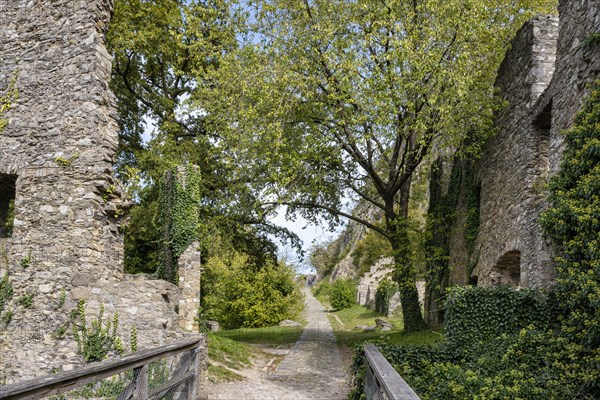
(507, 270)
(542, 126)
(8, 192)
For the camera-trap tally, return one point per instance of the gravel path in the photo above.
(313, 369)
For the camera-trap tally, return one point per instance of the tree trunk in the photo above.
(404, 271)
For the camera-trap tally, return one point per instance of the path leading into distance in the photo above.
(313, 369)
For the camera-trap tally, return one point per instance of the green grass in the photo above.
(225, 356)
(269, 336)
(229, 352)
(349, 335)
(217, 373)
(232, 350)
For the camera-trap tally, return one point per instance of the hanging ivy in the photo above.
(573, 222)
(179, 201)
(440, 218)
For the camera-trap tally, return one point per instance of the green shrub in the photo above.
(481, 314)
(343, 294)
(322, 290)
(238, 295)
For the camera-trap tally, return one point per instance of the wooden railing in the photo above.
(188, 371)
(382, 382)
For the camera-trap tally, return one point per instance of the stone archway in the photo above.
(507, 270)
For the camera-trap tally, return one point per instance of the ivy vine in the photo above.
(179, 205)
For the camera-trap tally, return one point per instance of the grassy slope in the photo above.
(348, 335)
(225, 356)
(232, 350)
(269, 336)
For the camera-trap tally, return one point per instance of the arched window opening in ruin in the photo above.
(8, 185)
(507, 270)
(542, 125)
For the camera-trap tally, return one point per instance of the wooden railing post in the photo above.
(197, 370)
(140, 391)
(382, 382)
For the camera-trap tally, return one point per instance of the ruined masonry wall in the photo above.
(508, 168)
(370, 281)
(544, 77)
(60, 143)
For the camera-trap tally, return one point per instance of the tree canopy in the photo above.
(167, 55)
(344, 100)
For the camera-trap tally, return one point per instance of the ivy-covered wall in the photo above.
(452, 225)
(179, 213)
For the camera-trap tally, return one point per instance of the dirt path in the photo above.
(313, 369)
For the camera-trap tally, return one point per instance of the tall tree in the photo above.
(346, 99)
(166, 54)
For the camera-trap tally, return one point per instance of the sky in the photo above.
(309, 234)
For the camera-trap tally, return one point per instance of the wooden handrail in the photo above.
(61, 382)
(382, 382)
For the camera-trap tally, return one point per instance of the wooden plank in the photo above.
(392, 384)
(194, 388)
(162, 389)
(140, 391)
(61, 382)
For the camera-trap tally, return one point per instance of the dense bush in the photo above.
(237, 294)
(343, 294)
(493, 351)
(322, 290)
(479, 315)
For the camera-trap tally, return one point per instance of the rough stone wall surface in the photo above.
(509, 170)
(369, 283)
(346, 244)
(60, 143)
(189, 282)
(544, 77)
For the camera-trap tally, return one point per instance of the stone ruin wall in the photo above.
(370, 281)
(58, 153)
(509, 170)
(544, 78)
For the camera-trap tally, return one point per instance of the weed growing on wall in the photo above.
(7, 98)
(96, 340)
(6, 291)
